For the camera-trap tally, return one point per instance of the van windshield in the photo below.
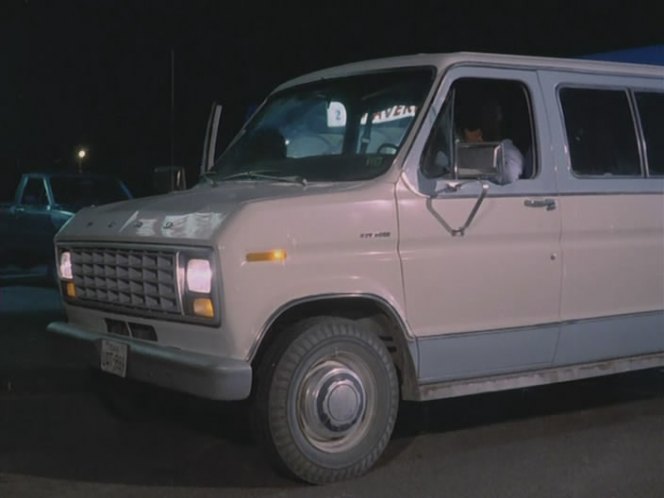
(342, 129)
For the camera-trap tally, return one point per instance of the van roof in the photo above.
(441, 61)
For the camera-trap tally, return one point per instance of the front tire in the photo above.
(326, 400)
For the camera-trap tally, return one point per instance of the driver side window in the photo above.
(483, 123)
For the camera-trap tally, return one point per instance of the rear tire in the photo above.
(326, 399)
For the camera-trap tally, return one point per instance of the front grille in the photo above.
(136, 279)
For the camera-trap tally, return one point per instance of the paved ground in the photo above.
(598, 438)
(29, 361)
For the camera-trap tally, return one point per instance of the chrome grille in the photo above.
(139, 279)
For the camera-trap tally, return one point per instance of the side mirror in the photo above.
(479, 160)
(168, 178)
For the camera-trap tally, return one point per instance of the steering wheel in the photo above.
(388, 146)
(308, 144)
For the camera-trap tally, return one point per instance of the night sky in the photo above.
(98, 72)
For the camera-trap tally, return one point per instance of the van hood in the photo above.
(193, 215)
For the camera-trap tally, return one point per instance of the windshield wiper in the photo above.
(257, 175)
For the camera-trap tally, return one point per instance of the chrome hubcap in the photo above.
(333, 402)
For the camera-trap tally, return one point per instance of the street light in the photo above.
(80, 155)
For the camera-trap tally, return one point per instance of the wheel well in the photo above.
(379, 317)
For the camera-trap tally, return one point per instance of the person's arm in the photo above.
(512, 162)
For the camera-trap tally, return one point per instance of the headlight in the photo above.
(199, 276)
(65, 266)
(199, 293)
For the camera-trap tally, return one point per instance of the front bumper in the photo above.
(199, 374)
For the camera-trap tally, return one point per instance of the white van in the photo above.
(416, 227)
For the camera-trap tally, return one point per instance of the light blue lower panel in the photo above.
(479, 354)
(611, 337)
(476, 354)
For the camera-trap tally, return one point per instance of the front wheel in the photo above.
(327, 399)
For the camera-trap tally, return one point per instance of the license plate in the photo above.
(114, 357)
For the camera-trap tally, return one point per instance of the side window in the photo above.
(34, 193)
(651, 111)
(479, 117)
(600, 132)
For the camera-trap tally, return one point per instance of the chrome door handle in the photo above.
(549, 204)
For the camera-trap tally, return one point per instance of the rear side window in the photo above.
(600, 132)
(34, 193)
(651, 111)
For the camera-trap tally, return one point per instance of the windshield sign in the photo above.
(336, 114)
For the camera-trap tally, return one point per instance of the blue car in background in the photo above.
(43, 203)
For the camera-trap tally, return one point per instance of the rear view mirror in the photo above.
(168, 178)
(478, 160)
